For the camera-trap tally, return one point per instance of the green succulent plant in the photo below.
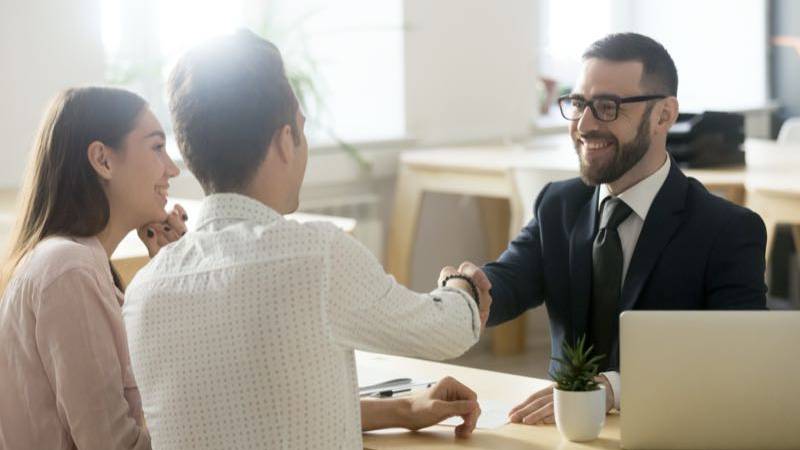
(577, 367)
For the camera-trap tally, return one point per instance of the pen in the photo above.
(402, 389)
(386, 384)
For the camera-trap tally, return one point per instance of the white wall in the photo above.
(45, 46)
(719, 47)
(470, 68)
(470, 74)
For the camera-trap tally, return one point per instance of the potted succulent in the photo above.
(579, 400)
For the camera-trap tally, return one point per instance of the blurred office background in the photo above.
(380, 77)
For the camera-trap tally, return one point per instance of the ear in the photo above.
(98, 155)
(284, 144)
(668, 113)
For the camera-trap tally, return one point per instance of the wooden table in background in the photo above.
(488, 385)
(776, 198)
(488, 174)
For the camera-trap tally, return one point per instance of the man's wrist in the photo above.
(385, 413)
(459, 284)
(612, 382)
(401, 411)
(464, 283)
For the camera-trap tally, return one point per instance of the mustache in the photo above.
(597, 135)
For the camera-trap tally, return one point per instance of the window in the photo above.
(357, 48)
(722, 63)
(566, 28)
(350, 50)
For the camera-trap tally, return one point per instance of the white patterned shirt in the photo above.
(242, 332)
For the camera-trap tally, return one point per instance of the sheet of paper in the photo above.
(494, 414)
(378, 376)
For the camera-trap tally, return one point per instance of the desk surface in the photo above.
(768, 163)
(557, 152)
(488, 385)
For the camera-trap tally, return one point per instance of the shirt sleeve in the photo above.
(517, 276)
(368, 310)
(77, 344)
(616, 386)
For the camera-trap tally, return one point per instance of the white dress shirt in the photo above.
(242, 332)
(639, 198)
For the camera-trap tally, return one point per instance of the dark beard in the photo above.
(625, 156)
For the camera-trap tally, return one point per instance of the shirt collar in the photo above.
(230, 206)
(640, 196)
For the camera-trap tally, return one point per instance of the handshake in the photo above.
(481, 282)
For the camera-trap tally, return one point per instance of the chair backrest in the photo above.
(790, 131)
(529, 182)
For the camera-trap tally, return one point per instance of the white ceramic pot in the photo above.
(580, 415)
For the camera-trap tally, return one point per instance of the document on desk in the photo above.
(494, 414)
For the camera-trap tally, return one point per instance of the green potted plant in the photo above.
(579, 400)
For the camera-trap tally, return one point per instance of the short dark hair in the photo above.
(659, 70)
(228, 97)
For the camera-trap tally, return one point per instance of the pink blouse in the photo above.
(65, 374)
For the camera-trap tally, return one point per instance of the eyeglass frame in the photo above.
(617, 100)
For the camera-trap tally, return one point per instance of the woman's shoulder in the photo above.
(57, 255)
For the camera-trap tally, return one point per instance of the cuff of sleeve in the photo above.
(616, 385)
(473, 307)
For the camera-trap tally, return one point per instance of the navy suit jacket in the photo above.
(696, 251)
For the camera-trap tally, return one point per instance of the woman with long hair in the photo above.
(98, 170)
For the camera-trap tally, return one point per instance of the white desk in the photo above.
(488, 385)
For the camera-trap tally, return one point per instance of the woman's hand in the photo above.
(158, 234)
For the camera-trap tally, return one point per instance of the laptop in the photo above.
(710, 380)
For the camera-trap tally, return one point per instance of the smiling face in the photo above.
(608, 150)
(140, 173)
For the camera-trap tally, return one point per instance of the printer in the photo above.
(708, 139)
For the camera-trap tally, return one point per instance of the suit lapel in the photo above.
(663, 219)
(580, 263)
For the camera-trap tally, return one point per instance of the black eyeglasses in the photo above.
(604, 107)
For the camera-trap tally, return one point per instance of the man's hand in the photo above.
(538, 408)
(158, 234)
(448, 398)
(481, 281)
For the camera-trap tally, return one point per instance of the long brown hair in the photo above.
(62, 194)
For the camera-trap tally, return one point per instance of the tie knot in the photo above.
(614, 211)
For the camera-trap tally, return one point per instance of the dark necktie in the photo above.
(607, 262)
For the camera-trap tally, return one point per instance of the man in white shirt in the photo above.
(633, 232)
(242, 334)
